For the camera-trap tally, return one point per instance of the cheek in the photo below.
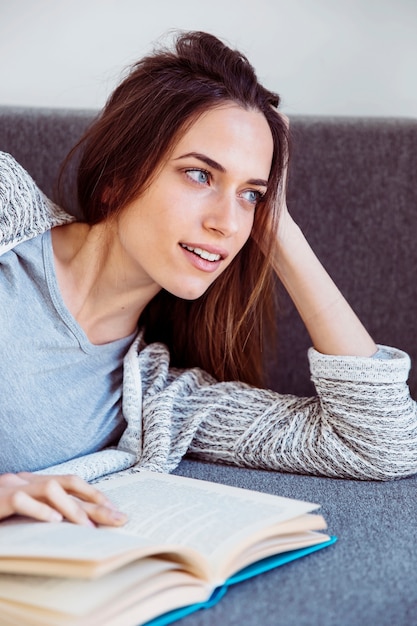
(245, 232)
(247, 228)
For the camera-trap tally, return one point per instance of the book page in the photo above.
(210, 518)
(166, 513)
(64, 540)
(77, 596)
(44, 601)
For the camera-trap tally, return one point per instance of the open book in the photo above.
(186, 540)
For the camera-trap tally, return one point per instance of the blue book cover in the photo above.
(259, 567)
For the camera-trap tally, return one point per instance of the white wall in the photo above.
(342, 57)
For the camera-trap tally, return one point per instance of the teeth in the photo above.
(209, 256)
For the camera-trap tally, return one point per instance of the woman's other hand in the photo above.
(56, 498)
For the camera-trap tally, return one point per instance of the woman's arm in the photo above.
(54, 498)
(331, 323)
(333, 326)
(362, 424)
(24, 210)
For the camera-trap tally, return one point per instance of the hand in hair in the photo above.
(55, 498)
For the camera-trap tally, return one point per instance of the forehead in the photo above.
(235, 137)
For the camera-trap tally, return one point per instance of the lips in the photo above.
(204, 253)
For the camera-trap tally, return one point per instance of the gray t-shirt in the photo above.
(60, 395)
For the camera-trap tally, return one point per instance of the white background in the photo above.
(339, 57)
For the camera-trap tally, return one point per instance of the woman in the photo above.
(181, 186)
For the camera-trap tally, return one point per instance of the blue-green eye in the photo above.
(199, 175)
(253, 196)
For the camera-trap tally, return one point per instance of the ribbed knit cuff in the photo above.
(394, 368)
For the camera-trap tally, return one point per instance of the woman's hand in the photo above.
(55, 498)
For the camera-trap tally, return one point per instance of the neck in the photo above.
(100, 290)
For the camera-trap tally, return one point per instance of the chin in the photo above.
(190, 293)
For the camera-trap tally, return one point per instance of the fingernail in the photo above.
(118, 515)
(55, 516)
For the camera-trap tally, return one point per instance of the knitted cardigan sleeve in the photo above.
(362, 423)
(24, 210)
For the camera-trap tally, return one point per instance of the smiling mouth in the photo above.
(204, 254)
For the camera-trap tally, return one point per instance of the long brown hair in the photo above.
(223, 331)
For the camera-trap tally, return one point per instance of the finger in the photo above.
(53, 494)
(73, 485)
(103, 515)
(102, 510)
(21, 503)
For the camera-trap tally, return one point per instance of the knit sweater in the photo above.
(362, 423)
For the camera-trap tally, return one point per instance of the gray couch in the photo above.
(353, 189)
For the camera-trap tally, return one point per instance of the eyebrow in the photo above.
(259, 182)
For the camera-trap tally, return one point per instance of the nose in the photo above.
(222, 216)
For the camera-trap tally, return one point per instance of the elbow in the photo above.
(389, 464)
(369, 460)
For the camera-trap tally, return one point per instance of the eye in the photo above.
(198, 175)
(252, 195)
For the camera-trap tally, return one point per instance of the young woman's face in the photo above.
(198, 212)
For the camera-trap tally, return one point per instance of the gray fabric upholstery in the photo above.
(353, 189)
